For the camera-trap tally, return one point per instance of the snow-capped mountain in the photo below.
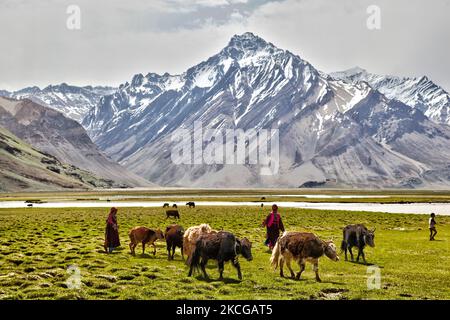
(73, 101)
(331, 131)
(420, 93)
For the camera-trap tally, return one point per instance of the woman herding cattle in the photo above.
(274, 225)
(112, 232)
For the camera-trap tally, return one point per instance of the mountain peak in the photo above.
(355, 71)
(246, 36)
(246, 42)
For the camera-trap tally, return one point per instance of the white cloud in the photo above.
(119, 39)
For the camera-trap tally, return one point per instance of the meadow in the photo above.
(38, 246)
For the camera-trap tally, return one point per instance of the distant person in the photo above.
(274, 225)
(112, 240)
(432, 224)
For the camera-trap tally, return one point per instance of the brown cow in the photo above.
(144, 235)
(301, 247)
(174, 238)
(172, 213)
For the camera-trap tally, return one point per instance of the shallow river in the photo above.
(416, 208)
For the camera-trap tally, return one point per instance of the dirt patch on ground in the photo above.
(331, 294)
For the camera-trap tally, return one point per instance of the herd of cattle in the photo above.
(202, 243)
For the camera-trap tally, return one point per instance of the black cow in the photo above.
(165, 205)
(191, 204)
(221, 246)
(357, 235)
(174, 205)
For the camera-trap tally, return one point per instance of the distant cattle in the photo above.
(174, 205)
(263, 198)
(357, 235)
(221, 246)
(29, 205)
(301, 247)
(262, 205)
(191, 204)
(145, 236)
(165, 205)
(172, 213)
(174, 238)
(191, 236)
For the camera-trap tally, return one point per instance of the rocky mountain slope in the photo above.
(332, 131)
(49, 131)
(73, 101)
(420, 93)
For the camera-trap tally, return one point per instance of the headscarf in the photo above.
(111, 217)
(274, 216)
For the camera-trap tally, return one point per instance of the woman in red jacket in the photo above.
(112, 232)
(274, 225)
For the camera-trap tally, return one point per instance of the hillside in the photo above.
(49, 131)
(23, 168)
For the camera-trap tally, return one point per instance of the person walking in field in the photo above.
(432, 224)
(274, 225)
(112, 240)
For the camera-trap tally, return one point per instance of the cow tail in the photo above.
(275, 255)
(195, 257)
(343, 243)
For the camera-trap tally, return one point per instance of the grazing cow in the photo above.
(174, 205)
(221, 246)
(29, 205)
(191, 236)
(301, 247)
(357, 235)
(190, 204)
(263, 198)
(165, 205)
(172, 213)
(174, 238)
(144, 235)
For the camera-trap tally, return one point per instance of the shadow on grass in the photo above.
(312, 280)
(146, 256)
(367, 264)
(224, 280)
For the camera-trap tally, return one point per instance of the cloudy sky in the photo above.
(118, 39)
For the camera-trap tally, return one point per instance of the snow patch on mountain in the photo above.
(420, 93)
(73, 101)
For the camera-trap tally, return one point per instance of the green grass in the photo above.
(38, 245)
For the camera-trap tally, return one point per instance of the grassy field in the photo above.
(38, 245)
